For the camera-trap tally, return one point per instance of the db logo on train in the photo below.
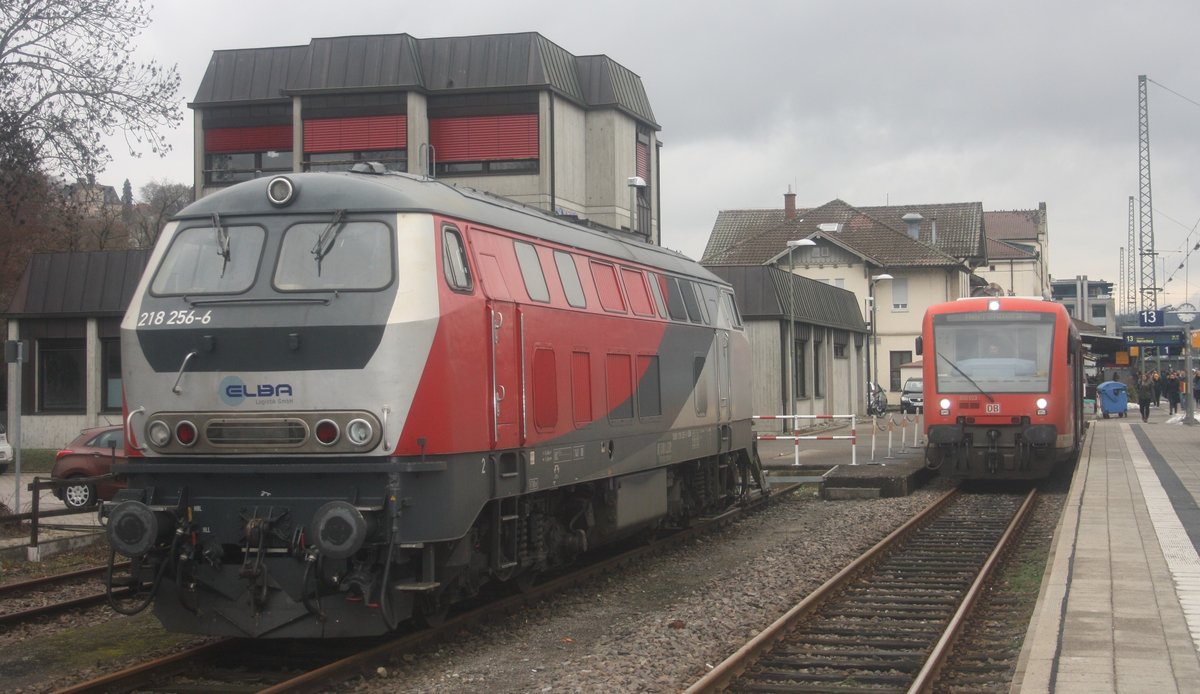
(992, 408)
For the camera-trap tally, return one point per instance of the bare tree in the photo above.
(160, 201)
(68, 78)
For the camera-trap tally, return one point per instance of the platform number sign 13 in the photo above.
(1150, 319)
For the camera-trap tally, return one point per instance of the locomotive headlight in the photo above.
(1041, 403)
(359, 431)
(159, 433)
(944, 403)
(280, 191)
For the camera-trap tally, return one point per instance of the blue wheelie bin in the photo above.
(1114, 398)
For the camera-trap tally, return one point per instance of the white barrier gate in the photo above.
(795, 436)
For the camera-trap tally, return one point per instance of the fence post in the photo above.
(33, 519)
(874, 431)
(853, 440)
(891, 427)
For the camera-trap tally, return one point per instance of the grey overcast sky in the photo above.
(871, 101)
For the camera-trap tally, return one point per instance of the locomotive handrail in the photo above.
(129, 429)
(182, 367)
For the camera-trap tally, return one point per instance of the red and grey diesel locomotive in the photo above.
(356, 398)
(1003, 380)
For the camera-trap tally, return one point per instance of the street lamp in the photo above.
(873, 360)
(791, 363)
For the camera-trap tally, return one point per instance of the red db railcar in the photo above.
(1003, 387)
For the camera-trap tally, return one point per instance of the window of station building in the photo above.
(581, 386)
(110, 374)
(649, 388)
(568, 274)
(531, 271)
(799, 368)
(635, 289)
(900, 294)
(61, 375)
(607, 287)
(896, 359)
(1099, 310)
(545, 389)
(233, 155)
(336, 144)
(485, 144)
(818, 366)
(619, 373)
(454, 260)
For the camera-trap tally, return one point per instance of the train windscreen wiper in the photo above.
(325, 241)
(222, 242)
(969, 379)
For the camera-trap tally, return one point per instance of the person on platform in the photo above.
(1196, 386)
(1142, 388)
(1171, 391)
(1155, 388)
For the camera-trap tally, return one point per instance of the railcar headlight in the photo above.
(359, 431)
(1041, 403)
(944, 403)
(159, 433)
(280, 191)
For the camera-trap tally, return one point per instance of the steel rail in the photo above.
(720, 676)
(941, 651)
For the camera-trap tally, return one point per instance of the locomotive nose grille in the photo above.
(256, 432)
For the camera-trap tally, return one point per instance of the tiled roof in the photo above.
(756, 237)
(959, 226)
(398, 62)
(1013, 224)
(1002, 250)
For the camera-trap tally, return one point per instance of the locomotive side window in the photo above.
(210, 260)
(675, 305)
(635, 288)
(710, 296)
(688, 290)
(329, 255)
(606, 286)
(656, 290)
(731, 309)
(454, 260)
(569, 275)
(531, 271)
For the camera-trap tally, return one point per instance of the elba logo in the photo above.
(235, 391)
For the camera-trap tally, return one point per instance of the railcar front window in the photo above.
(357, 257)
(1001, 352)
(207, 260)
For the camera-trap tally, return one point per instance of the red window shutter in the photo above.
(355, 134)
(643, 161)
(485, 138)
(259, 138)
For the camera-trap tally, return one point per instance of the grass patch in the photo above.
(35, 461)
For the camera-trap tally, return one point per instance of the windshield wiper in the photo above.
(222, 242)
(325, 241)
(964, 375)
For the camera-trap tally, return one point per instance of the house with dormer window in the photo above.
(895, 259)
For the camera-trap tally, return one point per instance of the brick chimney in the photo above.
(789, 204)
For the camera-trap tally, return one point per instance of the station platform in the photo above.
(1119, 609)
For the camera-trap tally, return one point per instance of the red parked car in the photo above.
(91, 454)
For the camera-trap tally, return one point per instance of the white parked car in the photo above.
(6, 452)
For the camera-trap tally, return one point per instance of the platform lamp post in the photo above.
(791, 363)
(1186, 313)
(874, 358)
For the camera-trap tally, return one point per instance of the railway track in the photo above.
(28, 600)
(887, 621)
(240, 665)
